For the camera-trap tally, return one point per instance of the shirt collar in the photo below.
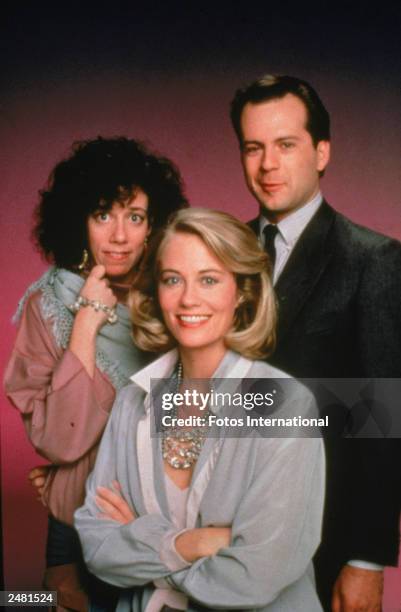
(161, 368)
(232, 365)
(291, 227)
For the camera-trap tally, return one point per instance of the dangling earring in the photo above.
(84, 261)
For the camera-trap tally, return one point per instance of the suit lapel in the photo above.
(254, 225)
(304, 267)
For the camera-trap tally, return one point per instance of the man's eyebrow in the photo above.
(261, 144)
(246, 143)
(289, 137)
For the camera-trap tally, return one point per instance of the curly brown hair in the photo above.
(98, 173)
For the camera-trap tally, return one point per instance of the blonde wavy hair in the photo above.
(236, 246)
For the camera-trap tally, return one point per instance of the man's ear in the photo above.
(323, 154)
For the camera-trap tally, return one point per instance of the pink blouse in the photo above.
(64, 410)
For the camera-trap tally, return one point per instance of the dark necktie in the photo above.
(270, 232)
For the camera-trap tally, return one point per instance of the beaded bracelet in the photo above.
(83, 301)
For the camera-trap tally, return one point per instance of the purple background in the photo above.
(168, 79)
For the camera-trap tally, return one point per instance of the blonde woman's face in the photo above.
(197, 294)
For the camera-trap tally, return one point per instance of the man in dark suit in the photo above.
(339, 292)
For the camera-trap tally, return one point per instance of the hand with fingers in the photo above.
(38, 477)
(97, 289)
(358, 590)
(112, 504)
(90, 318)
(200, 542)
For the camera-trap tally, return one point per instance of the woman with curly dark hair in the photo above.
(74, 348)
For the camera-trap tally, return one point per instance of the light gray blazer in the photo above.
(269, 490)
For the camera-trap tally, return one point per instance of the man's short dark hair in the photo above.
(270, 87)
(98, 173)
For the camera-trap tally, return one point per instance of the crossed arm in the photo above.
(192, 544)
(275, 530)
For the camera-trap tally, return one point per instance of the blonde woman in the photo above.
(189, 519)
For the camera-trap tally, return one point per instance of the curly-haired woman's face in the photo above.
(117, 236)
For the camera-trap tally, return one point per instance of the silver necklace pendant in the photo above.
(182, 447)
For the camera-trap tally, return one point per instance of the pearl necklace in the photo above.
(181, 447)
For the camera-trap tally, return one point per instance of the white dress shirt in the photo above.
(289, 231)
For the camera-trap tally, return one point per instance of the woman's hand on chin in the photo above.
(113, 505)
(97, 289)
(88, 320)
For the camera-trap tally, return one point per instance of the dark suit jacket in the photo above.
(339, 299)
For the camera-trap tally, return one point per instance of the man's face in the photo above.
(281, 163)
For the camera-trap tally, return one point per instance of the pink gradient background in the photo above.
(175, 98)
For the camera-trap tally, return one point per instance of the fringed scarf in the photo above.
(116, 354)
